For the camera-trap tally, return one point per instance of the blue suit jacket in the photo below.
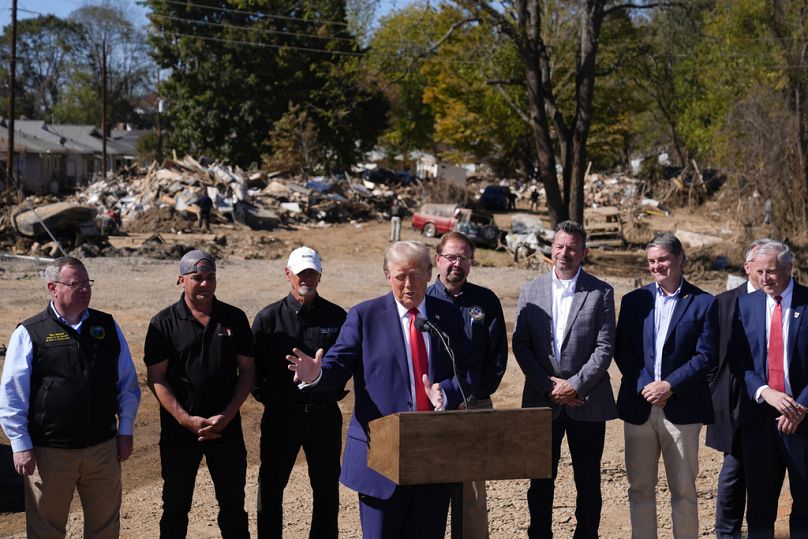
(370, 348)
(751, 348)
(690, 351)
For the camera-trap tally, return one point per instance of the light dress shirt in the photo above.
(664, 306)
(15, 385)
(563, 291)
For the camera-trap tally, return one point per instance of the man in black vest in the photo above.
(68, 399)
(199, 357)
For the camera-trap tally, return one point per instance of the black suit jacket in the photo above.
(724, 386)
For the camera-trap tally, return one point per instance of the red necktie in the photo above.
(775, 357)
(420, 364)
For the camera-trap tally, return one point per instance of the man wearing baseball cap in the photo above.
(294, 418)
(199, 355)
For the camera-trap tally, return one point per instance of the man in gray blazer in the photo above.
(563, 342)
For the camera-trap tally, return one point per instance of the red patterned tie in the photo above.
(420, 364)
(775, 357)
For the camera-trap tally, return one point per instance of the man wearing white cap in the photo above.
(294, 418)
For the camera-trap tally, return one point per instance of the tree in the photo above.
(46, 47)
(528, 24)
(129, 67)
(236, 67)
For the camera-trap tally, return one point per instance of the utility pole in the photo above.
(104, 108)
(159, 152)
(12, 70)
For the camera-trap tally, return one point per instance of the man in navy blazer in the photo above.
(724, 435)
(666, 342)
(772, 346)
(374, 347)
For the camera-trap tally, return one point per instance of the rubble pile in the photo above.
(163, 199)
(258, 200)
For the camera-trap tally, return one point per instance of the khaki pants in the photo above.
(94, 471)
(475, 510)
(679, 445)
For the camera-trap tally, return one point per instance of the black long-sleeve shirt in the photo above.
(485, 328)
(288, 324)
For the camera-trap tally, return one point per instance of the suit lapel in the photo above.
(648, 324)
(798, 301)
(435, 345)
(578, 298)
(685, 297)
(394, 328)
(546, 303)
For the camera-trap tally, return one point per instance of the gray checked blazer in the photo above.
(586, 349)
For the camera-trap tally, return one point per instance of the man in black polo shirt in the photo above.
(294, 418)
(485, 327)
(199, 354)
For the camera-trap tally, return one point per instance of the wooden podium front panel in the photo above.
(446, 447)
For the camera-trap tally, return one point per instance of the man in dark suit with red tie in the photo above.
(724, 435)
(395, 368)
(771, 343)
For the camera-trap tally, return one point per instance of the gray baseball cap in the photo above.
(195, 261)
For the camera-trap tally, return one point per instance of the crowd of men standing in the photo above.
(737, 362)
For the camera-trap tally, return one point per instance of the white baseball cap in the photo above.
(304, 258)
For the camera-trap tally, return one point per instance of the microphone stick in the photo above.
(422, 324)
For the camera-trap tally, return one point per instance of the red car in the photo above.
(437, 219)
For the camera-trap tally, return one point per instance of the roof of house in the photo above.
(25, 143)
(89, 136)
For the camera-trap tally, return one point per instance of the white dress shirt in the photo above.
(664, 305)
(563, 291)
(788, 312)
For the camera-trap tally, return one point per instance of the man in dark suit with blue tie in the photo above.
(395, 369)
(666, 342)
(772, 346)
(724, 435)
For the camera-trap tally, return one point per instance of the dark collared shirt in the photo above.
(288, 324)
(202, 363)
(485, 328)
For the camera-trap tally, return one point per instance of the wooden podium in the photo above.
(411, 448)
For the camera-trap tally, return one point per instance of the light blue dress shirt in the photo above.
(664, 306)
(15, 385)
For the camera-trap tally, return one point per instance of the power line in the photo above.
(253, 29)
(263, 45)
(253, 13)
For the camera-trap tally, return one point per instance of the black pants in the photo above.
(227, 464)
(585, 440)
(284, 429)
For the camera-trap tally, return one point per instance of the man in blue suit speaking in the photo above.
(396, 368)
(666, 342)
(771, 346)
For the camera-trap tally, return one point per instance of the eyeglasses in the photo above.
(77, 284)
(455, 258)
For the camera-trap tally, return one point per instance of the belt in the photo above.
(315, 406)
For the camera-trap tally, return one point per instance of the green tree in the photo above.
(236, 67)
(558, 103)
(129, 67)
(46, 49)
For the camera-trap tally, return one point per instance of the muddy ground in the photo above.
(133, 289)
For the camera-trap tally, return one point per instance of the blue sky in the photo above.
(62, 8)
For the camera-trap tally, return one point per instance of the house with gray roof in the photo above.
(52, 158)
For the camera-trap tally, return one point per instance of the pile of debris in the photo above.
(258, 200)
(162, 199)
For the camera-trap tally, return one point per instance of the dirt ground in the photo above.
(133, 289)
